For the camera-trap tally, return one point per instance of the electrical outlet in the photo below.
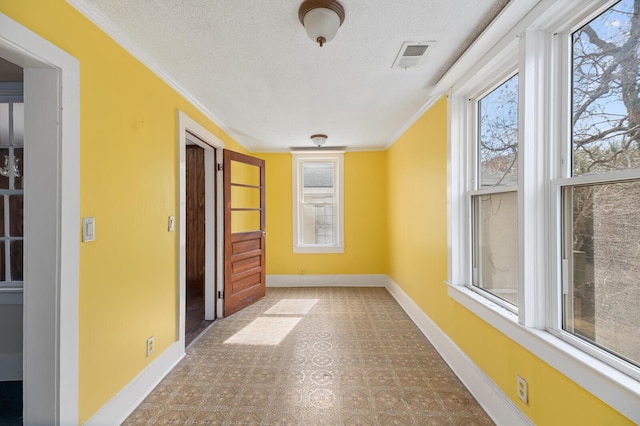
(150, 346)
(523, 392)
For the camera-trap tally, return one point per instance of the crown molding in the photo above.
(122, 39)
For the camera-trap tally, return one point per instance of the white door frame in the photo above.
(51, 223)
(213, 209)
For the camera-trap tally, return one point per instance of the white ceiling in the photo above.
(250, 65)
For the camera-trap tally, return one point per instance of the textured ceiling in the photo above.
(251, 65)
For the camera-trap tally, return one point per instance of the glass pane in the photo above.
(245, 174)
(498, 135)
(606, 75)
(318, 223)
(5, 161)
(243, 197)
(245, 221)
(18, 124)
(317, 175)
(18, 168)
(2, 271)
(496, 245)
(15, 215)
(16, 260)
(603, 306)
(4, 124)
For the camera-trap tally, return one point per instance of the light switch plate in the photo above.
(88, 229)
(172, 223)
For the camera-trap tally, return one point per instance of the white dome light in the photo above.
(321, 19)
(318, 140)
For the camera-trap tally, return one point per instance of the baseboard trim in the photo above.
(497, 405)
(328, 280)
(492, 399)
(122, 405)
(10, 367)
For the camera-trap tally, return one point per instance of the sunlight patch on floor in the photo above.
(292, 307)
(264, 331)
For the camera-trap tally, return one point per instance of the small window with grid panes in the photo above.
(12, 194)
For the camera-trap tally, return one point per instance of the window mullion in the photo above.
(533, 176)
(559, 151)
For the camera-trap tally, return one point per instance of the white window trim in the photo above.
(336, 157)
(536, 326)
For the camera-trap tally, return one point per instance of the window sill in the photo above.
(318, 249)
(608, 384)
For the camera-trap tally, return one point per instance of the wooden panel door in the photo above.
(244, 230)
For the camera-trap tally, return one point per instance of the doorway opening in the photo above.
(200, 232)
(195, 322)
(11, 240)
(49, 295)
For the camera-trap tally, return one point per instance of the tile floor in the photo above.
(312, 356)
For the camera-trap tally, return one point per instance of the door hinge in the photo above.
(221, 295)
(220, 167)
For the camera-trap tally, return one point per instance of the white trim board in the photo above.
(611, 386)
(52, 131)
(497, 405)
(329, 280)
(214, 242)
(122, 405)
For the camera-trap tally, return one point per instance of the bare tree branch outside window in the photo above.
(498, 135)
(606, 137)
(606, 89)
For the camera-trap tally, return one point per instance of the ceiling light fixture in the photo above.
(321, 19)
(318, 140)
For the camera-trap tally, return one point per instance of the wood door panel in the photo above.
(245, 246)
(247, 255)
(244, 251)
(246, 264)
(240, 276)
(251, 280)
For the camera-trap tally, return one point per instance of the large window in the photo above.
(601, 198)
(317, 195)
(544, 186)
(494, 195)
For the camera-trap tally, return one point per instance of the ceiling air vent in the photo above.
(411, 54)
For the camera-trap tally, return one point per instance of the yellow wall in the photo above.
(364, 219)
(129, 176)
(417, 220)
(395, 223)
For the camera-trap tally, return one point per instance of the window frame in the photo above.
(483, 88)
(564, 179)
(318, 156)
(540, 40)
(11, 95)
